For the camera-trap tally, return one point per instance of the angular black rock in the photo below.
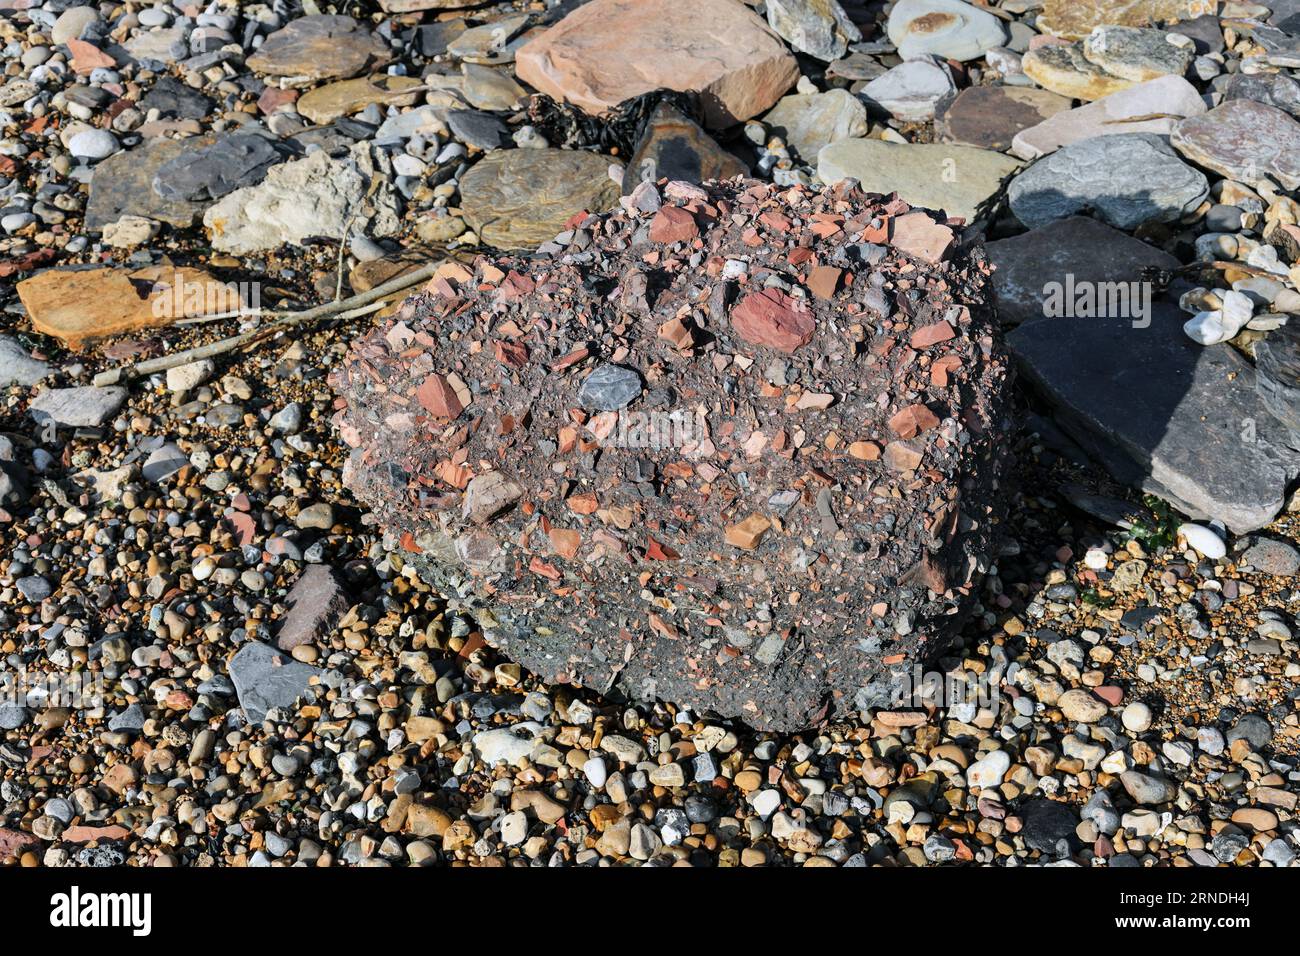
(1177, 419)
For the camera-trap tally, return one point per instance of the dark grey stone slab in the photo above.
(123, 186)
(1079, 247)
(266, 679)
(1177, 419)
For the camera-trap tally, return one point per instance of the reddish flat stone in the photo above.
(913, 420)
(919, 235)
(86, 57)
(673, 224)
(439, 398)
(823, 281)
(13, 842)
(774, 319)
(932, 334)
(718, 47)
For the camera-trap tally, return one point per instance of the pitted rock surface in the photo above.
(797, 503)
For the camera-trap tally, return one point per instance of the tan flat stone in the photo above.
(327, 103)
(79, 306)
(1075, 19)
(718, 47)
(1065, 70)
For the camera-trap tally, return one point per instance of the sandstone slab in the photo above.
(327, 103)
(819, 28)
(1152, 107)
(960, 180)
(1065, 70)
(1075, 19)
(319, 47)
(82, 305)
(727, 54)
(520, 198)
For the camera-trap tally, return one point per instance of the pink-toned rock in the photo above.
(919, 235)
(608, 51)
(774, 319)
(86, 57)
(13, 842)
(84, 834)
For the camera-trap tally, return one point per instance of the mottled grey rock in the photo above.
(163, 462)
(610, 387)
(1272, 89)
(34, 588)
(809, 121)
(1125, 180)
(1273, 557)
(913, 91)
(12, 716)
(951, 29)
(1277, 368)
(17, 367)
(1136, 53)
(1148, 789)
(82, 406)
(316, 602)
(1253, 729)
(1076, 249)
(819, 28)
(1177, 419)
(265, 679)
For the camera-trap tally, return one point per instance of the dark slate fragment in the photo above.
(610, 387)
(230, 163)
(171, 97)
(675, 147)
(482, 130)
(1180, 420)
(1048, 826)
(265, 680)
(1090, 251)
(122, 185)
